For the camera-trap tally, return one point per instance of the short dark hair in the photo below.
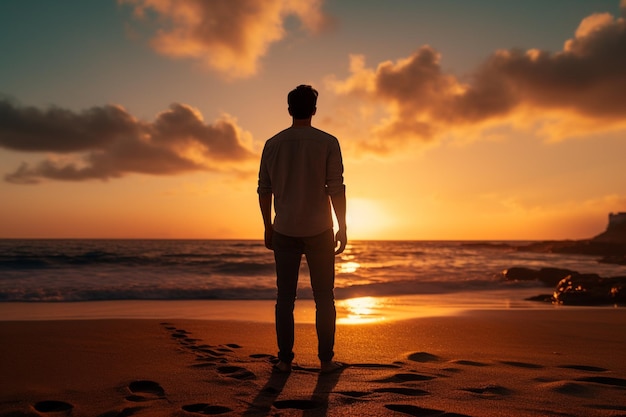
(302, 101)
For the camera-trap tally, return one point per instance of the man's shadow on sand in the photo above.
(262, 403)
(316, 406)
(325, 385)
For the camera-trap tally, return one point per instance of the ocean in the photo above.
(436, 273)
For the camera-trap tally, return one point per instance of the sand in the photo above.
(553, 362)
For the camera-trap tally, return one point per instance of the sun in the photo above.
(366, 219)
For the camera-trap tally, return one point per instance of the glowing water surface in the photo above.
(351, 311)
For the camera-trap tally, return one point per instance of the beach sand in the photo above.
(553, 362)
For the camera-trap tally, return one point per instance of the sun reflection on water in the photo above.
(349, 267)
(360, 310)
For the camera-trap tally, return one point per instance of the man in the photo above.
(302, 168)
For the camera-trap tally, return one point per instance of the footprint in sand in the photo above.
(463, 363)
(52, 406)
(489, 391)
(262, 356)
(416, 411)
(145, 390)
(569, 388)
(470, 363)
(423, 357)
(409, 392)
(204, 363)
(225, 350)
(296, 404)
(406, 377)
(522, 365)
(236, 372)
(584, 368)
(212, 352)
(604, 380)
(206, 409)
(180, 334)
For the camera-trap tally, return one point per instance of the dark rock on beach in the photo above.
(548, 276)
(571, 287)
(590, 289)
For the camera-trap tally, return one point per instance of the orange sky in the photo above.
(479, 120)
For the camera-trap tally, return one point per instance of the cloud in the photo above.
(578, 90)
(107, 142)
(228, 36)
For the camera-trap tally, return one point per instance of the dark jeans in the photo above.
(320, 255)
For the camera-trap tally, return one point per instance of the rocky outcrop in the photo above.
(609, 246)
(615, 232)
(572, 288)
(548, 276)
(614, 238)
(590, 289)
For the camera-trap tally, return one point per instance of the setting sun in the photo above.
(366, 219)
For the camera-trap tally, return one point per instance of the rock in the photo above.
(590, 289)
(615, 231)
(618, 289)
(519, 274)
(548, 276)
(552, 276)
(544, 298)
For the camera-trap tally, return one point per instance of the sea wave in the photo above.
(94, 270)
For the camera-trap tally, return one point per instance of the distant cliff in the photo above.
(615, 231)
(609, 245)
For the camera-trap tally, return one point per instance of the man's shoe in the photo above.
(328, 367)
(282, 367)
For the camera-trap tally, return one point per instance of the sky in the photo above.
(458, 120)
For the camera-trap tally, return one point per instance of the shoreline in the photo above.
(349, 311)
(518, 362)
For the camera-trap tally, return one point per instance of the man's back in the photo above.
(302, 166)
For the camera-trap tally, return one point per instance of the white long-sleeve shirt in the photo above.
(302, 167)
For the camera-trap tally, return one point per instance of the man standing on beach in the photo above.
(302, 168)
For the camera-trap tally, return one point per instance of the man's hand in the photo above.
(269, 232)
(341, 239)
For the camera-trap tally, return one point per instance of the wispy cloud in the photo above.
(580, 89)
(228, 36)
(108, 142)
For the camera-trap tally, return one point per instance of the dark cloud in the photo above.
(59, 130)
(107, 142)
(585, 83)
